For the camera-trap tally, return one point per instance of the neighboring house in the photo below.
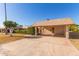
(54, 27)
(22, 27)
(2, 28)
(26, 26)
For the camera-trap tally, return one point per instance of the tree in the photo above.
(11, 25)
(74, 28)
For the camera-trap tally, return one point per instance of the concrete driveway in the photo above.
(41, 46)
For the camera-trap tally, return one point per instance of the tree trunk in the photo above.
(11, 31)
(6, 32)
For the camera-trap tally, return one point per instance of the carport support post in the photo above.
(67, 32)
(35, 30)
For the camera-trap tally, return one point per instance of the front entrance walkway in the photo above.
(41, 46)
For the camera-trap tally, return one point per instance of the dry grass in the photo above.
(75, 42)
(6, 38)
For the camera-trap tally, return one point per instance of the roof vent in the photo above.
(47, 19)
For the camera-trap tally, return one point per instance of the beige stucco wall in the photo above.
(47, 31)
(58, 30)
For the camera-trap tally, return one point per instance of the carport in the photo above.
(53, 27)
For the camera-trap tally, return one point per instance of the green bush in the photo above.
(29, 30)
(22, 31)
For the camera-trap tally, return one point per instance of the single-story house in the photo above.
(54, 27)
(2, 28)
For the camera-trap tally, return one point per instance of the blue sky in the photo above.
(29, 13)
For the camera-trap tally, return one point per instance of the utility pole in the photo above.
(5, 17)
(5, 12)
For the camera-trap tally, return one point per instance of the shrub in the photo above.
(29, 30)
(22, 31)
